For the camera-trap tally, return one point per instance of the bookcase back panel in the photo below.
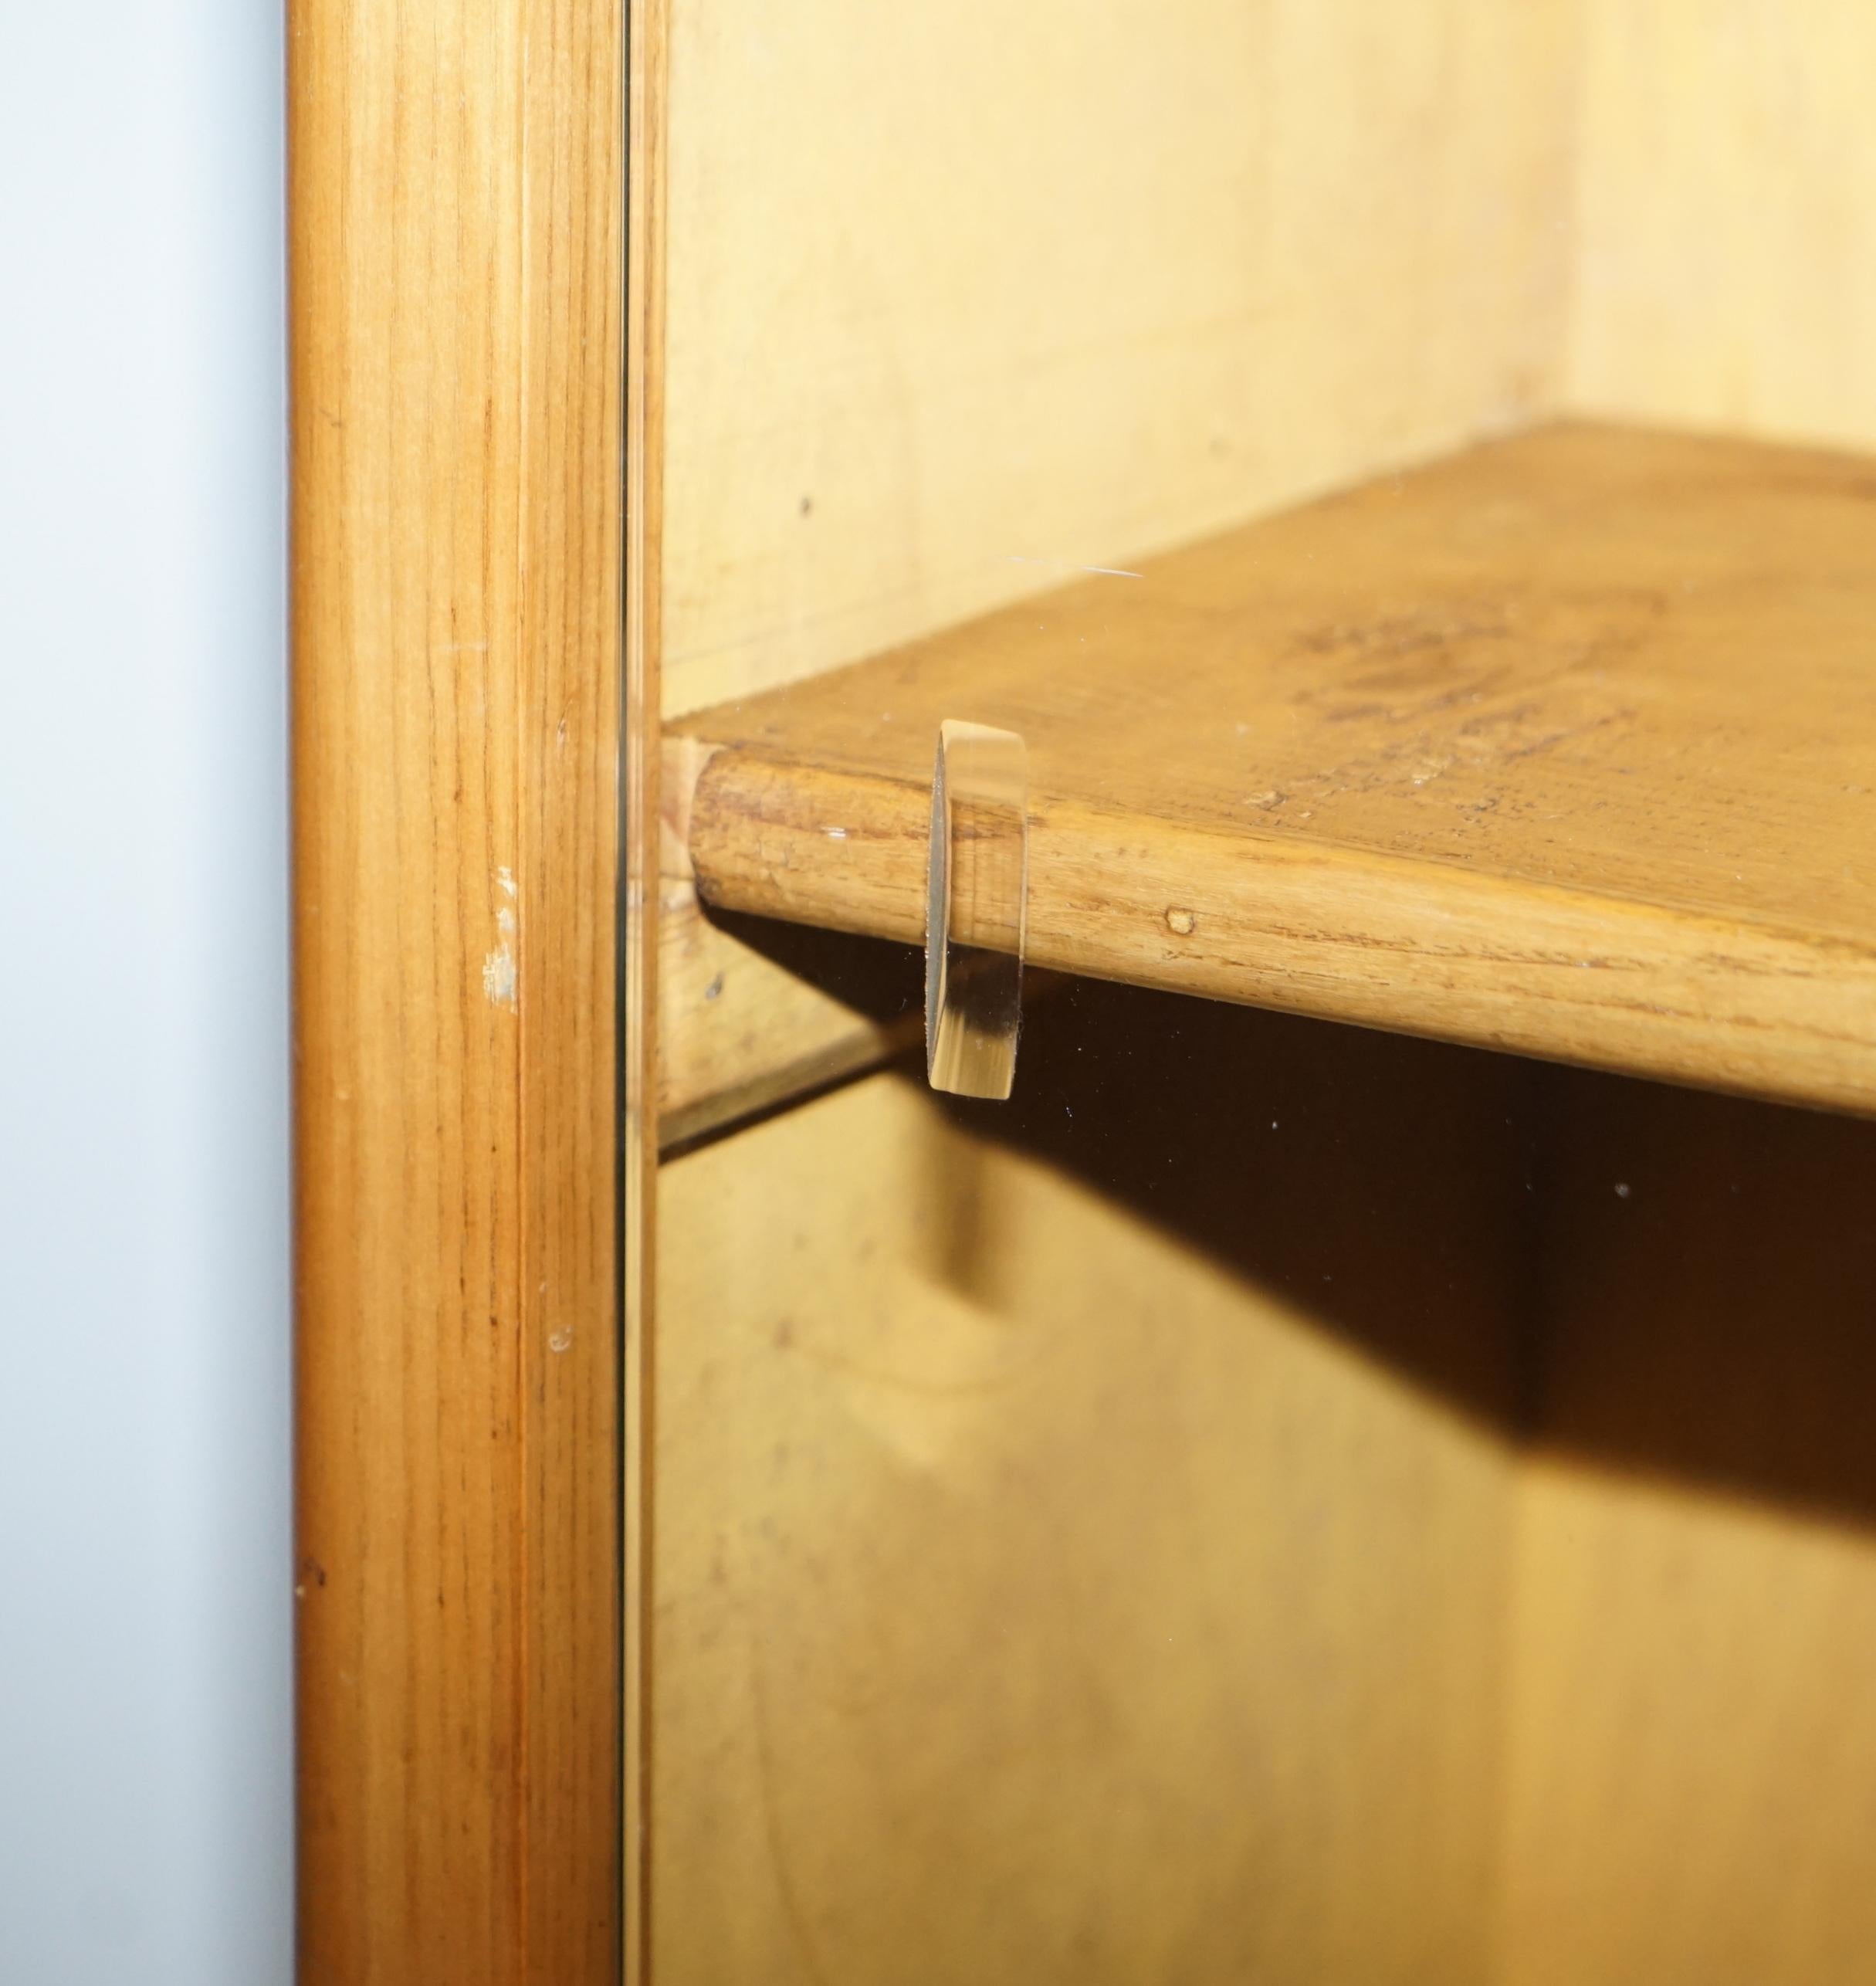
(1082, 1552)
(961, 299)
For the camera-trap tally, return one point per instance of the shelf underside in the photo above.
(1564, 745)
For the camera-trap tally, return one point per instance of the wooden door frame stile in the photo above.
(457, 184)
(646, 59)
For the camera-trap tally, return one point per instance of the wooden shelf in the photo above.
(1564, 745)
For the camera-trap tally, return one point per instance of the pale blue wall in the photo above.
(145, 1596)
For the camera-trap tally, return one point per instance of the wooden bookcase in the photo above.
(1360, 1471)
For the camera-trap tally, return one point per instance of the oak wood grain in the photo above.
(1565, 746)
(455, 181)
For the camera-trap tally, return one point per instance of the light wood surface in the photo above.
(1692, 1739)
(1138, 274)
(752, 1017)
(1271, 1501)
(1693, 1742)
(1059, 1574)
(1723, 271)
(752, 1013)
(1081, 1550)
(1128, 274)
(1565, 746)
(640, 1019)
(455, 186)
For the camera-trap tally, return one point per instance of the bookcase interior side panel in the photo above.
(1693, 1719)
(963, 298)
(1087, 1559)
(1725, 270)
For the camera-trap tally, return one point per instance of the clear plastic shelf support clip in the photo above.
(976, 906)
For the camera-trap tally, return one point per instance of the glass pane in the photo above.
(1345, 1459)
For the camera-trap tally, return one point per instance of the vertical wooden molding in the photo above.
(573, 222)
(643, 623)
(455, 256)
